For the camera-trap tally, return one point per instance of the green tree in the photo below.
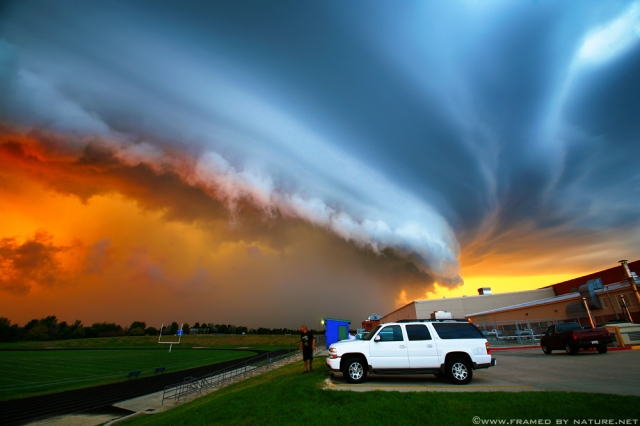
(151, 331)
(77, 330)
(174, 328)
(137, 324)
(8, 332)
(42, 329)
(137, 328)
(64, 331)
(104, 329)
(39, 331)
(138, 331)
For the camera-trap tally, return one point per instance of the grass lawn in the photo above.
(28, 373)
(287, 397)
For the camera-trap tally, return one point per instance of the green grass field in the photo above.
(287, 397)
(27, 373)
(34, 372)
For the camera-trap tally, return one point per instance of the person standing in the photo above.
(307, 346)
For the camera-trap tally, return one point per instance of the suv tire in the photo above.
(459, 370)
(354, 370)
(546, 349)
(602, 349)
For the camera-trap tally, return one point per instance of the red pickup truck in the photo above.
(571, 337)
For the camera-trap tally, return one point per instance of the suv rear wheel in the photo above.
(546, 349)
(354, 370)
(459, 370)
(570, 349)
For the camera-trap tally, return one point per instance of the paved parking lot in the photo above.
(616, 372)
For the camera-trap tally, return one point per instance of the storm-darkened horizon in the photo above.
(273, 163)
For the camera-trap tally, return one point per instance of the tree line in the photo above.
(49, 328)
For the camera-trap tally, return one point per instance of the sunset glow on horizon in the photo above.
(211, 166)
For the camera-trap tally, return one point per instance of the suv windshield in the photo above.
(372, 333)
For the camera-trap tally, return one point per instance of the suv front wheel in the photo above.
(354, 370)
(459, 370)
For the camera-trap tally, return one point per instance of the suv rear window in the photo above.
(457, 330)
(561, 328)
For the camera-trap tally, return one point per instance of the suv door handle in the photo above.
(402, 346)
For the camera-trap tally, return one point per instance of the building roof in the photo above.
(336, 319)
(608, 276)
(474, 296)
(567, 296)
(465, 298)
(528, 304)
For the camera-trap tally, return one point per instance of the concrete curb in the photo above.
(515, 348)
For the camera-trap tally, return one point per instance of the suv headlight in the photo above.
(333, 352)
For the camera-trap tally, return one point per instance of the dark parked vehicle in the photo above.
(571, 337)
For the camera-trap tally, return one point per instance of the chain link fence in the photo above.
(195, 386)
(525, 332)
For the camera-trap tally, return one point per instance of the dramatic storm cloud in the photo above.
(275, 162)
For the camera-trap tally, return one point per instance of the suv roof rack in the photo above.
(433, 320)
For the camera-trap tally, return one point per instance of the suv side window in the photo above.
(391, 333)
(457, 330)
(418, 332)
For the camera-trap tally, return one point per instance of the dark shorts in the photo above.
(307, 354)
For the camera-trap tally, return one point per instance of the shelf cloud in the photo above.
(374, 150)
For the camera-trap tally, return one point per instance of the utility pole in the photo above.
(584, 301)
(623, 304)
(632, 281)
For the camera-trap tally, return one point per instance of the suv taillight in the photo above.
(488, 348)
(574, 335)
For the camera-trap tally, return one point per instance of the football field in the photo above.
(33, 372)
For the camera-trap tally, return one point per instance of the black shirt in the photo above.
(307, 341)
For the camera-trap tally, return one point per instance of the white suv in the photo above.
(445, 348)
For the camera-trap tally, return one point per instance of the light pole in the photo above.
(631, 280)
(586, 307)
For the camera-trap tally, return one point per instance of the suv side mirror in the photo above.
(376, 339)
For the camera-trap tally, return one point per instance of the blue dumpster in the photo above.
(336, 329)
